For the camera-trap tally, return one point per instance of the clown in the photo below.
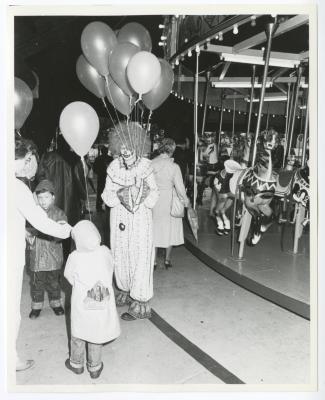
(131, 192)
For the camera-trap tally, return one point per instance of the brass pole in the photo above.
(289, 95)
(293, 110)
(205, 102)
(220, 123)
(196, 92)
(304, 147)
(251, 101)
(270, 30)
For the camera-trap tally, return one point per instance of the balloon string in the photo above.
(118, 132)
(127, 124)
(139, 98)
(122, 133)
(84, 168)
(146, 132)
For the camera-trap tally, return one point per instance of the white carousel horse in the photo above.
(255, 186)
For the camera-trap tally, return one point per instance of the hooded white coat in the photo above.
(87, 266)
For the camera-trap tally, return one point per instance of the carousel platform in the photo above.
(277, 276)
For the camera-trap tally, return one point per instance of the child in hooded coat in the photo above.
(94, 319)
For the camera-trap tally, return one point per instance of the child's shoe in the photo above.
(34, 314)
(58, 310)
(96, 374)
(77, 371)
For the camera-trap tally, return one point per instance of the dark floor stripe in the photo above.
(288, 303)
(200, 356)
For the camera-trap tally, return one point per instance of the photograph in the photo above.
(162, 205)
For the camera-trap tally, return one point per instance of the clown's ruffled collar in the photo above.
(126, 177)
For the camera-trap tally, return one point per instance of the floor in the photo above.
(204, 330)
(265, 263)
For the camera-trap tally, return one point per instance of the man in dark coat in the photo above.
(100, 166)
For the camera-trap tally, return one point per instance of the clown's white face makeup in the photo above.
(128, 155)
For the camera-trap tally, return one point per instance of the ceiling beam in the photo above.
(224, 70)
(281, 87)
(286, 26)
(214, 48)
(242, 82)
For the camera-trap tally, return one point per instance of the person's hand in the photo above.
(67, 228)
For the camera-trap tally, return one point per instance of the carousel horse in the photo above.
(293, 197)
(254, 187)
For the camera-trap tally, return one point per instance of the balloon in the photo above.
(23, 102)
(161, 90)
(79, 125)
(89, 77)
(143, 72)
(97, 42)
(118, 98)
(118, 61)
(137, 34)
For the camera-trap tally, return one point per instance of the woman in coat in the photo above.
(168, 230)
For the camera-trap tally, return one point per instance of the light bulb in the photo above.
(189, 53)
(177, 61)
(235, 30)
(221, 36)
(197, 48)
(186, 40)
(253, 18)
(163, 37)
(161, 26)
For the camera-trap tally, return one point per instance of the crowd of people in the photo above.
(138, 194)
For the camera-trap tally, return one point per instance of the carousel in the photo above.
(247, 79)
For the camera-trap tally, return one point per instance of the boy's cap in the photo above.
(45, 184)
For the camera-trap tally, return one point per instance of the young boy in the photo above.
(94, 319)
(46, 255)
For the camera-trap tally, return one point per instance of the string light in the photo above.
(162, 37)
(161, 44)
(235, 30)
(273, 115)
(253, 22)
(186, 40)
(220, 36)
(189, 53)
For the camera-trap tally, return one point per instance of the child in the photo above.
(94, 318)
(46, 255)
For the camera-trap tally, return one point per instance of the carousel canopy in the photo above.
(229, 47)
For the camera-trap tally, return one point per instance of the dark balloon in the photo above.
(23, 102)
(118, 98)
(118, 62)
(89, 77)
(137, 34)
(97, 42)
(162, 89)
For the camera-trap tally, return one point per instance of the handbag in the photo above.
(177, 207)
